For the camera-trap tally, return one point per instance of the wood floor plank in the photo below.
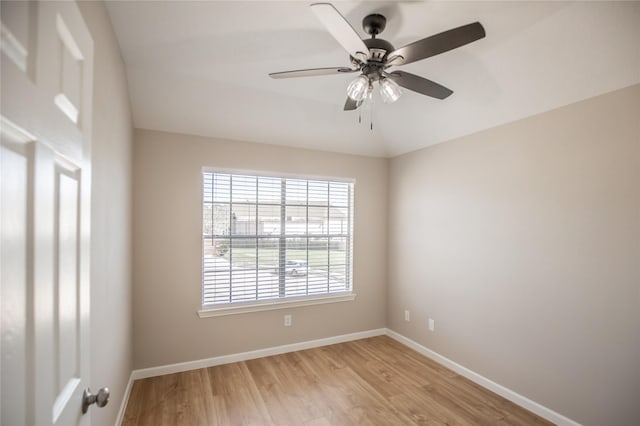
(288, 394)
(374, 381)
(243, 404)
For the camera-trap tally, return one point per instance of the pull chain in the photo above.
(371, 111)
(370, 107)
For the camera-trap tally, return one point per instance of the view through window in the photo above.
(269, 238)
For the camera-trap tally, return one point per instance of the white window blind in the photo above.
(267, 238)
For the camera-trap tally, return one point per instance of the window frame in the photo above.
(238, 307)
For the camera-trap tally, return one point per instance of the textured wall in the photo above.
(523, 243)
(167, 249)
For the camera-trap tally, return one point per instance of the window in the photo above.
(269, 238)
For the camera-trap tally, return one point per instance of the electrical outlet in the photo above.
(432, 324)
(287, 320)
(407, 315)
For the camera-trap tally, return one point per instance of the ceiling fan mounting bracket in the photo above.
(374, 24)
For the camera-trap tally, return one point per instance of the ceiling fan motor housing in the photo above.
(378, 48)
(375, 65)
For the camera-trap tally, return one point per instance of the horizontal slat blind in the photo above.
(266, 237)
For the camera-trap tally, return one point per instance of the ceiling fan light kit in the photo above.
(389, 90)
(374, 56)
(358, 88)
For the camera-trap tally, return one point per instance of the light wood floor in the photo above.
(375, 381)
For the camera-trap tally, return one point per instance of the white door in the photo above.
(46, 98)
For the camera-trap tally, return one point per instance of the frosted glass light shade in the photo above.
(389, 90)
(357, 89)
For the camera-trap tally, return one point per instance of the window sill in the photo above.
(244, 308)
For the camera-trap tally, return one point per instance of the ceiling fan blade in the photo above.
(350, 104)
(438, 43)
(420, 85)
(341, 30)
(312, 72)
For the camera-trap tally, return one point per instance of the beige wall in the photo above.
(111, 321)
(523, 243)
(167, 249)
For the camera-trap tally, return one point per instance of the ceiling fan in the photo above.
(374, 56)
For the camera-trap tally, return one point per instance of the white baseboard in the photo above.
(512, 396)
(125, 400)
(244, 356)
(494, 387)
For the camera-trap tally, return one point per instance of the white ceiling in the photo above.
(202, 68)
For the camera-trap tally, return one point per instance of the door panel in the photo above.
(15, 283)
(18, 23)
(69, 75)
(67, 291)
